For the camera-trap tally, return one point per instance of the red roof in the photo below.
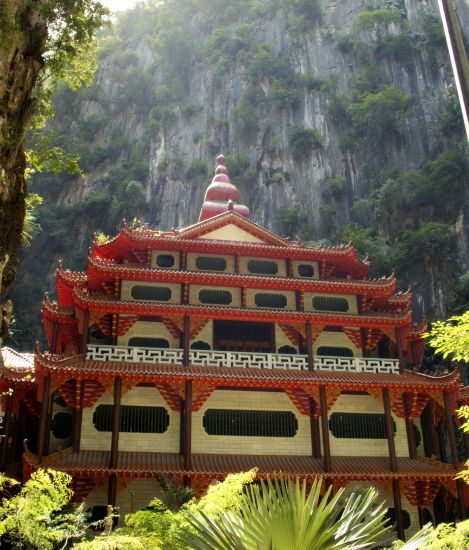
(77, 367)
(132, 464)
(16, 366)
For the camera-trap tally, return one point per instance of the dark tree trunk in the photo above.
(23, 39)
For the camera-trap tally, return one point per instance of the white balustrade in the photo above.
(241, 359)
(156, 356)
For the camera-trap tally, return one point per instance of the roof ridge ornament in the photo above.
(221, 195)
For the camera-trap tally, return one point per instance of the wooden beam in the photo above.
(309, 346)
(44, 414)
(49, 424)
(86, 331)
(396, 493)
(6, 430)
(315, 432)
(112, 490)
(411, 443)
(325, 430)
(188, 425)
(400, 352)
(389, 431)
(185, 341)
(116, 416)
(454, 451)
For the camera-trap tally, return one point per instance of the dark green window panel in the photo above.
(165, 260)
(250, 423)
(264, 299)
(210, 264)
(144, 420)
(219, 297)
(305, 270)
(262, 267)
(330, 303)
(358, 425)
(152, 293)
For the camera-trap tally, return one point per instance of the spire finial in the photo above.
(221, 159)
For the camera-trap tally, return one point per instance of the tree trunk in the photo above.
(24, 36)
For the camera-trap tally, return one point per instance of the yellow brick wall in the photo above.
(148, 329)
(251, 292)
(362, 487)
(155, 253)
(352, 301)
(366, 447)
(296, 263)
(335, 339)
(282, 268)
(137, 495)
(175, 291)
(168, 442)
(194, 294)
(192, 256)
(300, 444)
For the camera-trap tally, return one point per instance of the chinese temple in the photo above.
(220, 347)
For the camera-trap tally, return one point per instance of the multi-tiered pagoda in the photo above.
(220, 347)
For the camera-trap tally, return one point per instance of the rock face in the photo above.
(318, 106)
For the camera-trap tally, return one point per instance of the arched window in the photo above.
(250, 423)
(200, 344)
(62, 425)
(144, 420)
(358, 425)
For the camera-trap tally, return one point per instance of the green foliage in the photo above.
(303, 141)
(451, 337)
(335, 188)
(376, 20)
(197, 170)
(30, 227)
(39, 515)
(448, 537)
(290, 222)
(283, 515)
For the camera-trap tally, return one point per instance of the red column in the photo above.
(400, 352)
(114, 455)
(325, 430)
(77, 421)
(7, 430)
(44, 414)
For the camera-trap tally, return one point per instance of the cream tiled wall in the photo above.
(300, 444)
(282, 268)
(296, 263)
(155, 253)
(362, 487)
(137, 495)
(251, 292)
(175, 291)
(231, 232)
(194, 294)
(366, 447)
(352, 301)
(192, 256)
(148, 329)
(167, 442)
(335, 339)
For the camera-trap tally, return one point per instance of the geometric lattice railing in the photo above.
(240, 359)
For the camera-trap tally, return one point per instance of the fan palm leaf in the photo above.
(283, 515)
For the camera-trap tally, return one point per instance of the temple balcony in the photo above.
(240, 359)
